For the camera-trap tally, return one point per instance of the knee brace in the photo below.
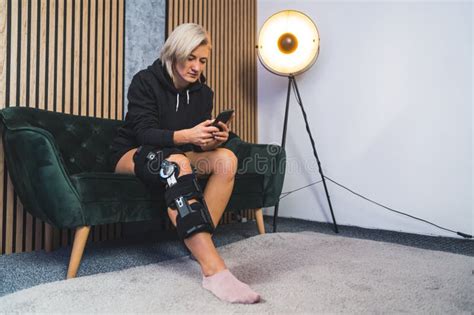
(153, 170)
(192, 218)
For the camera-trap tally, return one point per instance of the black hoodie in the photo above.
(156, 109)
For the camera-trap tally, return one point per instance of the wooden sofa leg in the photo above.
(80, 239)
(259, 219)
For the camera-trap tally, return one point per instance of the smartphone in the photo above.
(223, 116)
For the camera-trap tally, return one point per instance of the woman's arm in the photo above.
(181, 137)
(143, 113)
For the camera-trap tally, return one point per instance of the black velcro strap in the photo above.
(199, 220)
(186, 186)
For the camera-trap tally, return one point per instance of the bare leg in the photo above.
(216, 277)
(221, 164)
(200, 244)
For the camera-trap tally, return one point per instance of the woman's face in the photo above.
(189, 70)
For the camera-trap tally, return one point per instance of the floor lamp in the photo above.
(288, 45)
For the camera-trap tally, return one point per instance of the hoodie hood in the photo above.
(159, 70)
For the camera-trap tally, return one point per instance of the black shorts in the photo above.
(115, 157)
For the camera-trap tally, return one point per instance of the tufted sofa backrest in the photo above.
(84, 143)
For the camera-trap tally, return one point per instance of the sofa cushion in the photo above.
(93, 187)
(109, 197)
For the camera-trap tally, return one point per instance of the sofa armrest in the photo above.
(268, 160)
(39, 177)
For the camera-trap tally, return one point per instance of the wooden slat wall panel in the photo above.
(64, 56)
(231, 71)
(232, 68)
(3, 53)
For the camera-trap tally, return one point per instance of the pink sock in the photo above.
(228, 288)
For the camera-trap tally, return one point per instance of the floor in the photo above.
(24, 270)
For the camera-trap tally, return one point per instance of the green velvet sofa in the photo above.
(58, 164)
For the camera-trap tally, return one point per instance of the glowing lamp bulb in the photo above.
(288, 43)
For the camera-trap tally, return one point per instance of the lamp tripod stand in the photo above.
(292, 82)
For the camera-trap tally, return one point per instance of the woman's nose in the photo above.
(196, 66)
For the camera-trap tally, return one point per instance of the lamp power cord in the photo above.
(287, 193)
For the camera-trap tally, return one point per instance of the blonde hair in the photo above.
(181, 43)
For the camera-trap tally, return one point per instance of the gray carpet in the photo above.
(150, 245)
(294, 272)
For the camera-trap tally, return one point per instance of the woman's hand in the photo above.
(219, 137)
(222, 135)
(200, 135)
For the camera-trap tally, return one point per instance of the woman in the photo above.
(169, 110)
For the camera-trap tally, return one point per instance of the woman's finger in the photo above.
(221, 137)
(207, 122)
(212, 129)
(223, 126)
(207, 135)
(220, 134)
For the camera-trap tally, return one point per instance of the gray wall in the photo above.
(389, 101)
(144, 36)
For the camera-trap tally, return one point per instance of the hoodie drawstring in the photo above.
(177, 99)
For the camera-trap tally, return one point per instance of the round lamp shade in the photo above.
(288, 43)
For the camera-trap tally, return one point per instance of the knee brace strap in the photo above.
(198, 220)
(186, 186)
(192, 218)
